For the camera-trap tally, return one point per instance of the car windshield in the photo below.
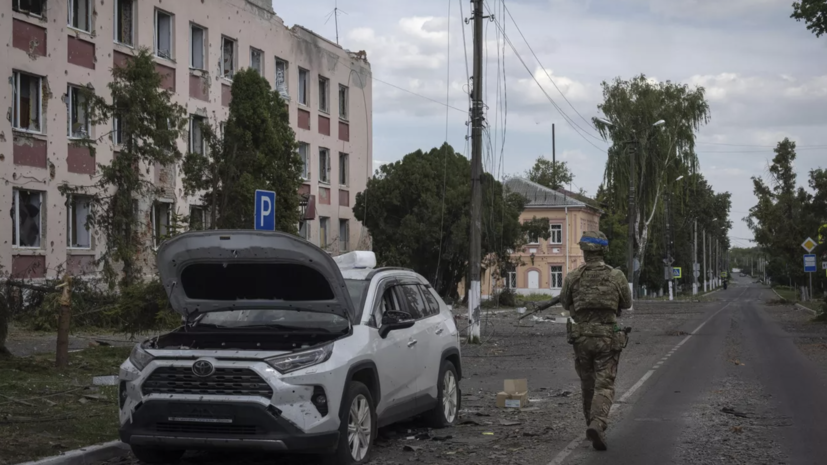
(356, 288)
(283, 319)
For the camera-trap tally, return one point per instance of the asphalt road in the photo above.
(735, 358)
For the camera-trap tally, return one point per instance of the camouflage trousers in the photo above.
(596, 365)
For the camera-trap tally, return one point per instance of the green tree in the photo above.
(551, 174)
(257, 150)
(417, 212)
(151, 125)
(662, 152)
(814, 14)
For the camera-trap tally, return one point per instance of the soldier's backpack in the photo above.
(594, 289)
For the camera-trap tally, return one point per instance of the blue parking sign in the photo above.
(265, 208)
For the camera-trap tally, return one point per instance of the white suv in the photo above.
(286, 349)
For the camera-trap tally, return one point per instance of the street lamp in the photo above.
(632, 223)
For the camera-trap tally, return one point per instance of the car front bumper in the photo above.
(173, 424)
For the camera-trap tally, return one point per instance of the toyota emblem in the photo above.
(203, 368)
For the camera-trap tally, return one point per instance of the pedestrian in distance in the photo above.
(595, 294)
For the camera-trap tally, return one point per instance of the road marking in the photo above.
(563, 454)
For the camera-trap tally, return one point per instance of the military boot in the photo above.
(595, 434)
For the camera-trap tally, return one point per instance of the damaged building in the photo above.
(56, 47)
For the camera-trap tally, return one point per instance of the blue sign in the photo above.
(810, 263)
(676, 272)
(265, 210)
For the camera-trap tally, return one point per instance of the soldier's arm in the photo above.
(625, 293)
(565, 293)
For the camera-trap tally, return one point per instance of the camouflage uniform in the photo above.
(594, 294)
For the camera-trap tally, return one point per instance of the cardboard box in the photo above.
(514, 394)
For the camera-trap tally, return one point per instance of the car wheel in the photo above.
(446, 410)
(357, 430)
(154, 455)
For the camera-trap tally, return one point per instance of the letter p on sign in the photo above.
(265, 208)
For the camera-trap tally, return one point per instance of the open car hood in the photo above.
(205, 271)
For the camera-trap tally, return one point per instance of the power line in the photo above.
(419, 95)
(761, 146)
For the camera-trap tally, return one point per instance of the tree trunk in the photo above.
(62, 350)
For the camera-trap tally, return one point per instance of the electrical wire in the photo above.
(445, 148)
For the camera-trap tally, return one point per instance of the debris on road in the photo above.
(731, 411)
(514, 394)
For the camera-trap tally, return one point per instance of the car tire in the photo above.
(359, 413)
(153, 455)
(446, 411)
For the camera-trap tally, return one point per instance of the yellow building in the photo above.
(543, 264)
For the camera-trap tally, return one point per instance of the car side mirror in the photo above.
(392, 321)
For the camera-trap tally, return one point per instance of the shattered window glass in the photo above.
(26, 218)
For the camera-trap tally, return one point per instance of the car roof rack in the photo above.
(386, 268)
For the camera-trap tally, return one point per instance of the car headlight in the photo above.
(139, 357)
(292, 362)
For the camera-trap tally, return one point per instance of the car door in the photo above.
(394, 355)
(440, 337)
(423, 339)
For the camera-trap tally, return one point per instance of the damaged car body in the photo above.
(285, 348)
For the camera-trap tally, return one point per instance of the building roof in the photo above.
(541, 196)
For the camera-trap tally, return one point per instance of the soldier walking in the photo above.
(595, 293)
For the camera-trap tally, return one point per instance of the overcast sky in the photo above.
(765, 77)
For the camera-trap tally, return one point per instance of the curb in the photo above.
(86, 455)
(797, 304)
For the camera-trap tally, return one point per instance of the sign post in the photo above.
(265, 208)
(810, 260)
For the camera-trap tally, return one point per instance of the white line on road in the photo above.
(563, 454)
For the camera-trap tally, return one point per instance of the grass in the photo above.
(45, 411)
(791, 294)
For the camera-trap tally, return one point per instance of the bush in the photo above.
(145, 307)
(507, 298)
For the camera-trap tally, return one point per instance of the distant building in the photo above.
(545, 263)
(55, 46)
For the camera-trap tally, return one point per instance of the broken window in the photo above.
(281, 79)
(304, 76)
(80, 15)
(304, 230)
(343, 97)
(198, 217)
(556, 234)
(227, 57)
(324, 88)
(77, 231)
(304, 154)
(78, 116)
(344, 235)
(511, 280)
(324, 165)
(197, 41)
(124, 21)
(26, 218)
(197, 134)
(32, 7)
(324, 223)
(27, 102)
(256, 60)
(344, 168)
(163, 34)
(556, 277)
(161, 220)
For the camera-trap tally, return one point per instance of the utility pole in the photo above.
(668, 260)
(475, 296)
(706, 271)
(632, 221)
(695, 259)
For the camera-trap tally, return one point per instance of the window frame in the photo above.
(133, 5)
(555, 228)
(204, 42)
(324, 231)
(16, 219)
(511, 280)
(305, 175)
(324, 95)
(72, 91)
(16, 91)
(344, 170)
(203, 212)
(304, 94)
(553, 273)
(233, 66)
(193, 119)
(304, 229)
(324, 174)
(260, 52)
(346, 239)
(157, 41)
(16, 8)
(344, 109)
(285, 92)
(156, 236)
(71, 15)
(71, 232)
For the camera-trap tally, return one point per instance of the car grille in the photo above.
(224, 381)
(236, 430)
